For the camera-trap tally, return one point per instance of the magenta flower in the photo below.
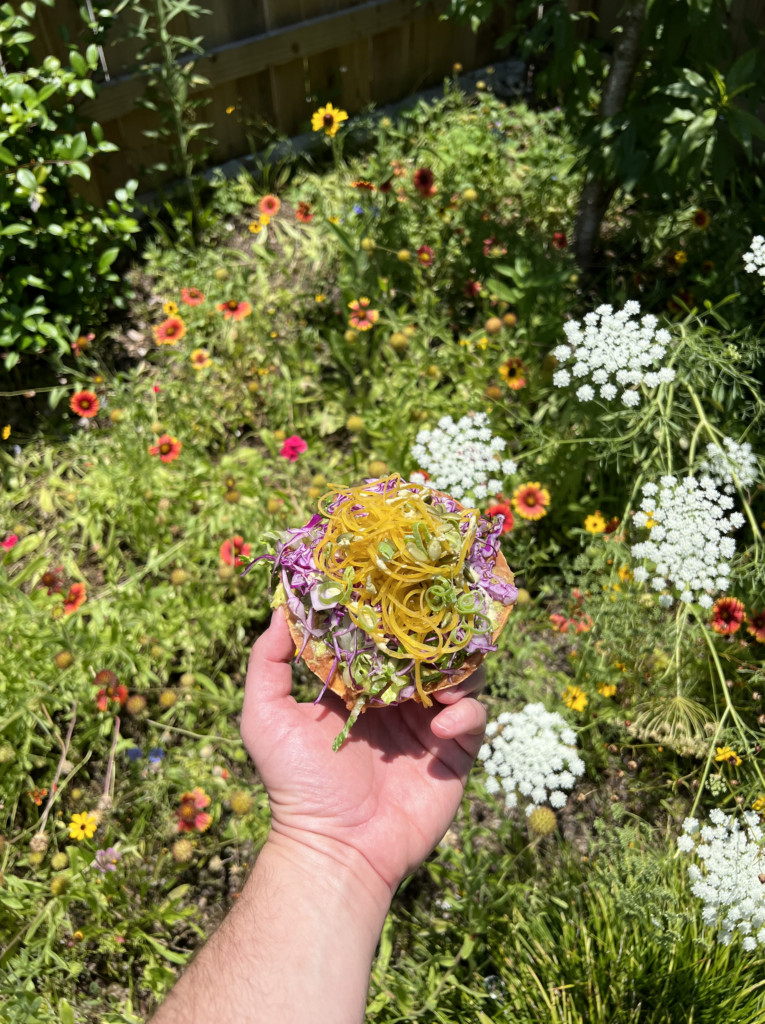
(106, 860)
(292, 448)
(10, 542)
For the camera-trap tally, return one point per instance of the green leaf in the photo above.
(168, 954)
(7, 157)
(65, 1012)
(78, 167)
(78, 63)
(106, 259)
(26, 179)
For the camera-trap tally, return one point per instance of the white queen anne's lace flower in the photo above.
(729, 459)
(729, 881)
(686, 548)
(462, 458)
(616, 345)
(754, 260)
(532, 753)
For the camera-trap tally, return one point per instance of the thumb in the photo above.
(269, 675)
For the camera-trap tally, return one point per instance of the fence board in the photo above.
(275, 60)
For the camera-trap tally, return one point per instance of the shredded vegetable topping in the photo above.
(397, 562)
(391, 587)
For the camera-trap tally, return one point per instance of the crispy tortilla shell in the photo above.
(320, 665)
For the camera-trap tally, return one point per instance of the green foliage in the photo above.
(58, 250)
(167, 60)
(690, 114)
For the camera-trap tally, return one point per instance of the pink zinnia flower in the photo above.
(293, 447)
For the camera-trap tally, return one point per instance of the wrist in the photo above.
(319, 861)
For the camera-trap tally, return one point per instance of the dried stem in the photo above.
(59, 769)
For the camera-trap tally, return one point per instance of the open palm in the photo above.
(392, 789)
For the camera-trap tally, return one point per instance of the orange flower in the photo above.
(365, 186)
(234, 550)
(167, 447)
(192, 296)
(233, 310)
(424, 182)
(701, 219)
(84, 403)
(728, 615)
(36, 795)
(110, 690)
(270, 205)
(191, 814)
(756, 627)
(502, 509)
(303, 213)
(363, 318)
(512, 373)
(530, 501)
(77, 596)
(425, 255)
(200, 359)
(170, 331)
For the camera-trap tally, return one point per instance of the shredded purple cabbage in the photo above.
(353, 651)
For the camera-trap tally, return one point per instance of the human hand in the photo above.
(391, 791)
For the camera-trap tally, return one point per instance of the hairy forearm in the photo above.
(297, 947)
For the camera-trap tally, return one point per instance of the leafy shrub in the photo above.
(58, 249)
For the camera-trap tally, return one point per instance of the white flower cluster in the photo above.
(531, 753)
(686, 542)
(754, 260)
(732, 458)
(730, 882)
(462, 458)
(611, 344)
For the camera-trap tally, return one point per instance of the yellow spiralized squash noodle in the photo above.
(398, 556)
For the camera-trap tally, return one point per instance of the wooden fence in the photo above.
(270, 61)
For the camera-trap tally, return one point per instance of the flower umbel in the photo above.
(687, 546)
(613, 344)
(728, 879)
(531, 754)
(463, 457)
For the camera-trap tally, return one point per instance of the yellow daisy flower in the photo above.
(82, 826)
(328, 119)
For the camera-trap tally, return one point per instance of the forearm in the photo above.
(297, 947)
